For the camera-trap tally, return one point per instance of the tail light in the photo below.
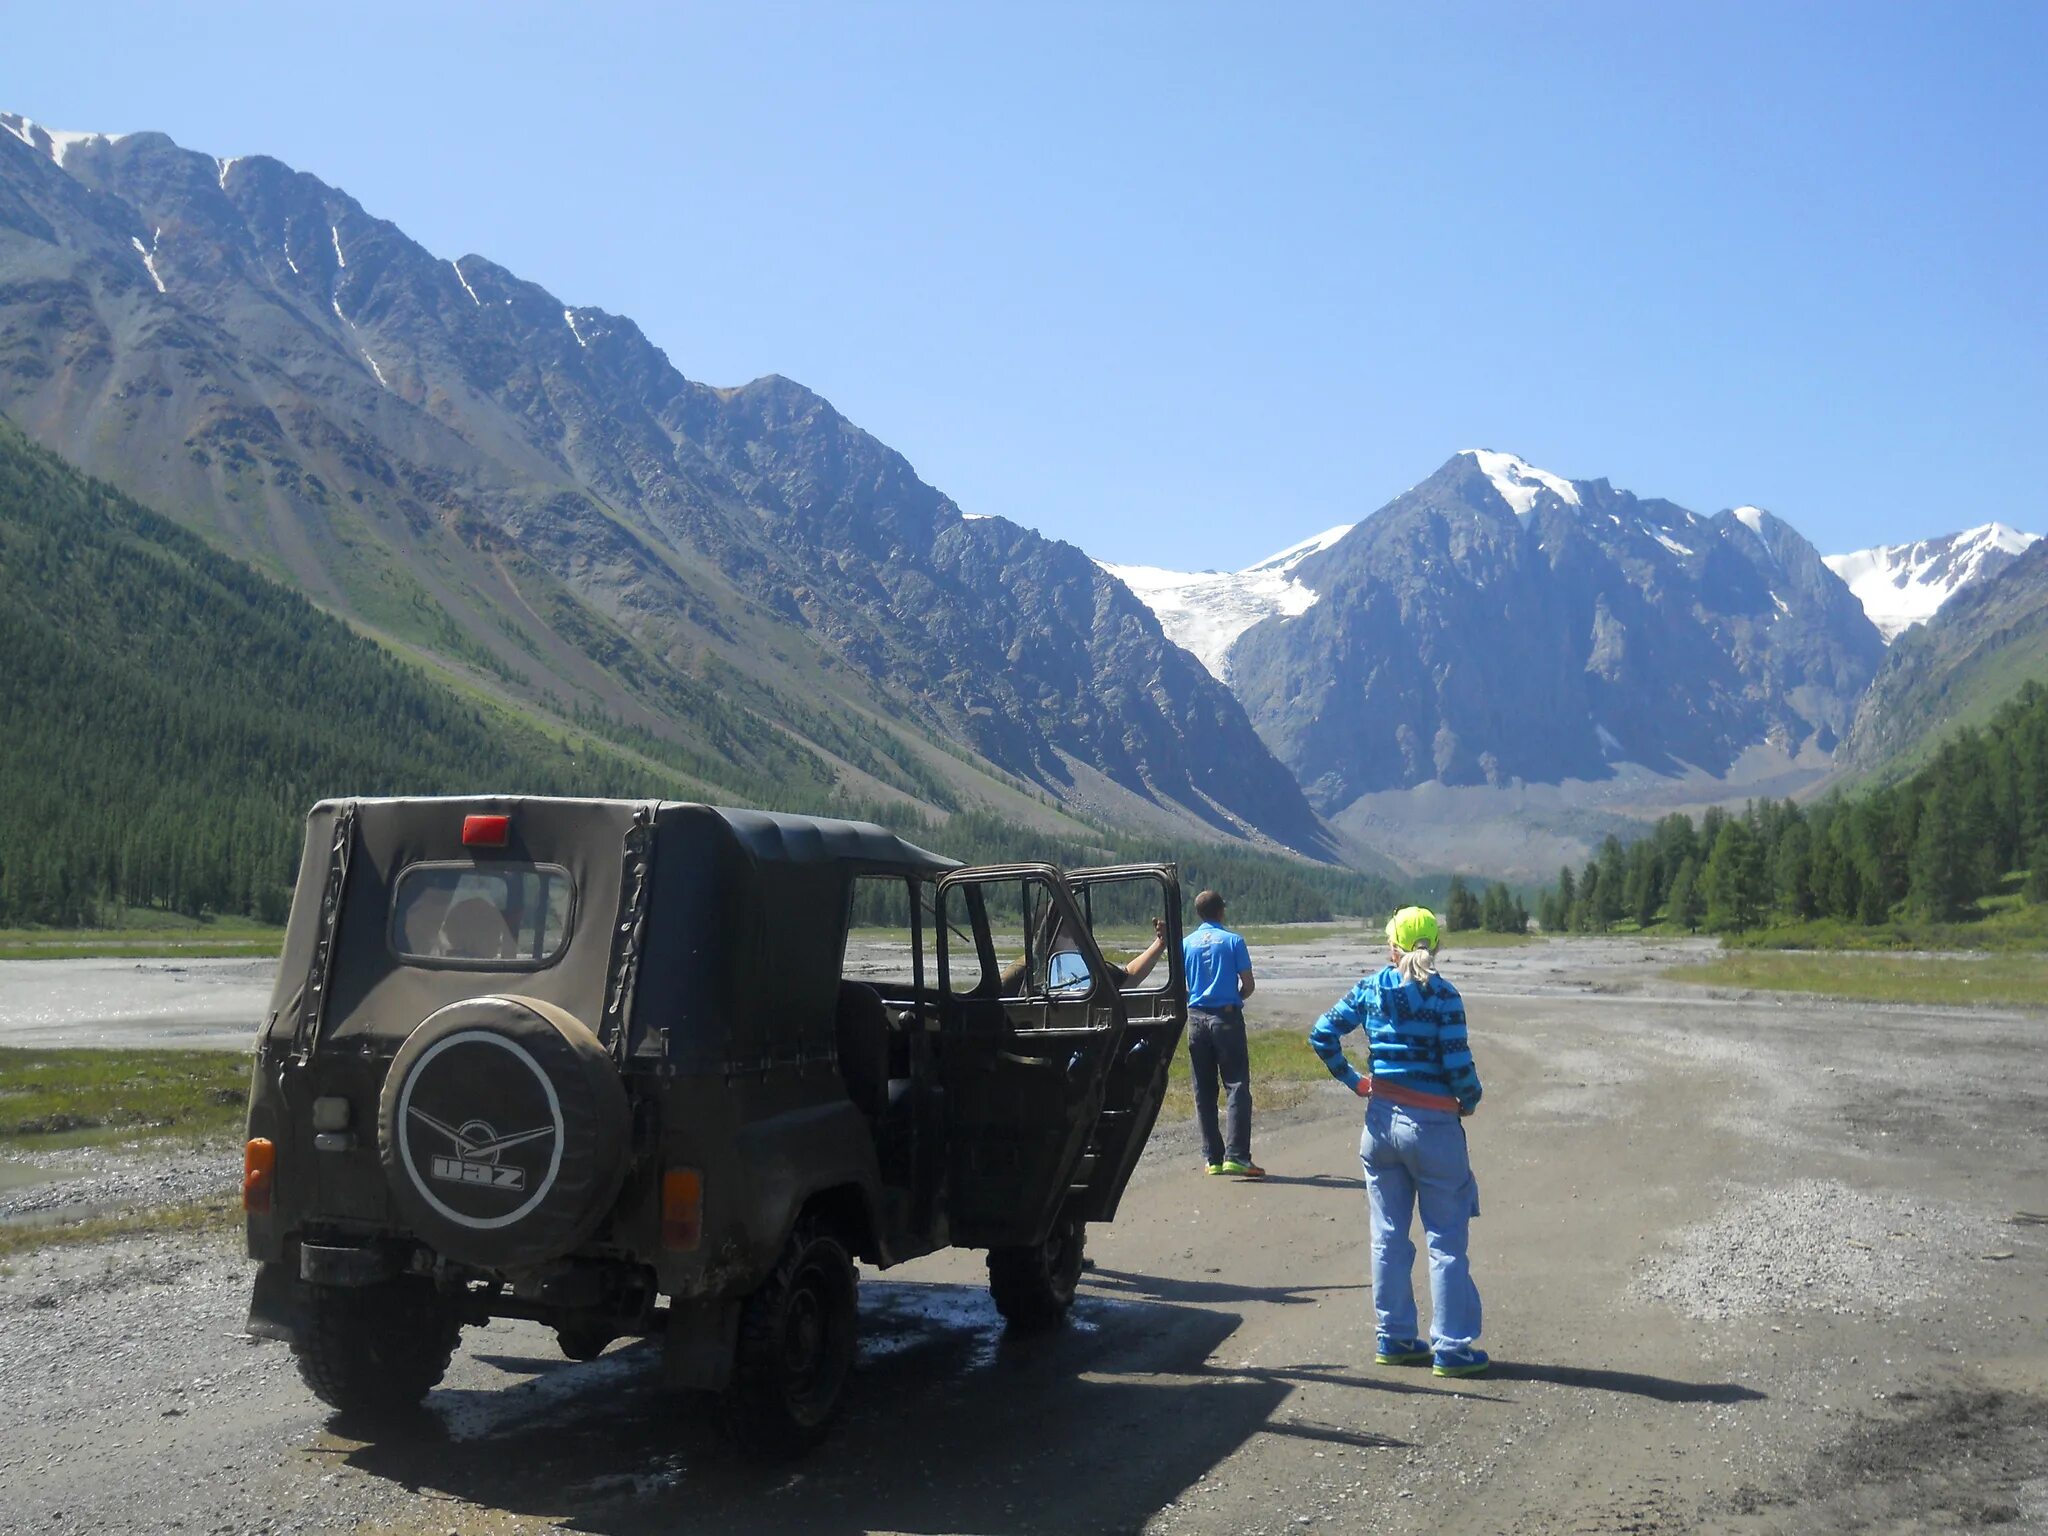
(682, 1209)
(259, 1176)
(486, 831)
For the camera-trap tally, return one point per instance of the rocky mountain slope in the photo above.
(1497, 623)
(527, 493)
(1957, 667)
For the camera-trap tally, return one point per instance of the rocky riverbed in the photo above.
(1750, 1264)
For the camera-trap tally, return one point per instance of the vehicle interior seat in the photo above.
(861, 1033)
(475, 930)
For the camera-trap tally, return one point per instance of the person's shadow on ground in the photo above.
(1660, 1389)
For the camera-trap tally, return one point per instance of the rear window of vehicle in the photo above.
(509, 916)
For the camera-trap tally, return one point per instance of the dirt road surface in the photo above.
(1750, 1265)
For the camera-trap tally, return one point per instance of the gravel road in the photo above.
(1751, 1264)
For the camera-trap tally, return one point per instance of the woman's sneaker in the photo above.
(1243, 1170)
(1460, 1362)
(1401, 1352)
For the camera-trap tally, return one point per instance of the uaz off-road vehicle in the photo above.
(617, 1067)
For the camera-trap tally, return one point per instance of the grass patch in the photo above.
(216, 1213)
(142, 935)
(2007, 926)
(69, 1098)
(2006, 981)
(1479, 938)
(1284, 1073)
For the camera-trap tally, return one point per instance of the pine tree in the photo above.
(1686, 906)
(1461, 911)
(1733, 879)
(1941, 878)
(1793, 869)
(2036, 888)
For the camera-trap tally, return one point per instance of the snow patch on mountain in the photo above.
(1206, 611)
(55, 142)
(1900, 585)
(1672, 544)
(148, 255)
(1520, 482)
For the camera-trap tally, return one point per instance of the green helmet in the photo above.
(1413, 928)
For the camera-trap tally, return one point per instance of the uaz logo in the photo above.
(477, 1146)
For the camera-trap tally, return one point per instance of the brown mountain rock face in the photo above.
(531, 492)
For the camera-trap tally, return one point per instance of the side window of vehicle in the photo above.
(1035, 955)
(881, 939)
(1122, 914)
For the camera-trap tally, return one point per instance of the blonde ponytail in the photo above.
(1416, 965)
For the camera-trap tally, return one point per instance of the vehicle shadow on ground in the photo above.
(1657, 1388)
(1173, 1288)
(951, 1425)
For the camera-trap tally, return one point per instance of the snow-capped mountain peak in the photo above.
(1206, 611)
(1520, 482)
(1900, 585)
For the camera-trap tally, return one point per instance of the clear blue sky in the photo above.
(1183, 284)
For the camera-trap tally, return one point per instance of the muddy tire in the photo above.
(377, 1350)
(795, 1349)
(582, 1341)
(1034, 1287)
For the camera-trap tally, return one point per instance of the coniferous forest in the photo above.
(1929, 848)
(169, 714)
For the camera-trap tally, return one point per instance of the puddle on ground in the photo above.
(15, 1176)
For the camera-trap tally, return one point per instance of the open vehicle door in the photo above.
(1031, 1025)
(1119, 905)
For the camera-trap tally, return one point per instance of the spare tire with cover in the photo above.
(503, 1130)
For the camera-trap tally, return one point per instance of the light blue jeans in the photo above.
(1411, 1157)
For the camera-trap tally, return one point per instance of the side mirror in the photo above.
(1067, 975)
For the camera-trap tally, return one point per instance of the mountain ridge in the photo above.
(531, 490)
(1901, 585)
(1956, 668)
(1687, 638)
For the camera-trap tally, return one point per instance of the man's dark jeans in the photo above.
(1216, 1050)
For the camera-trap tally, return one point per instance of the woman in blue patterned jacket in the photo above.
(1420, 1087)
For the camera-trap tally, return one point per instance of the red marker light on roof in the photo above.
(486, 831)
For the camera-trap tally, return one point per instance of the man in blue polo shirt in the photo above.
(1219, 974)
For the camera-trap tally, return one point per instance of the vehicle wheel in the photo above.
(378, 1349)
(583, 1341)
(795, 1350)
(1034, 1287)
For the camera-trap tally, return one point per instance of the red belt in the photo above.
(1411, 1098)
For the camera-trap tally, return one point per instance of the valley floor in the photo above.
(1749, 1264)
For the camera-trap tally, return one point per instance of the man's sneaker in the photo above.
(1215, 1168)
(1401, 1352)
(1243, 1170)
(1460, 1362)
